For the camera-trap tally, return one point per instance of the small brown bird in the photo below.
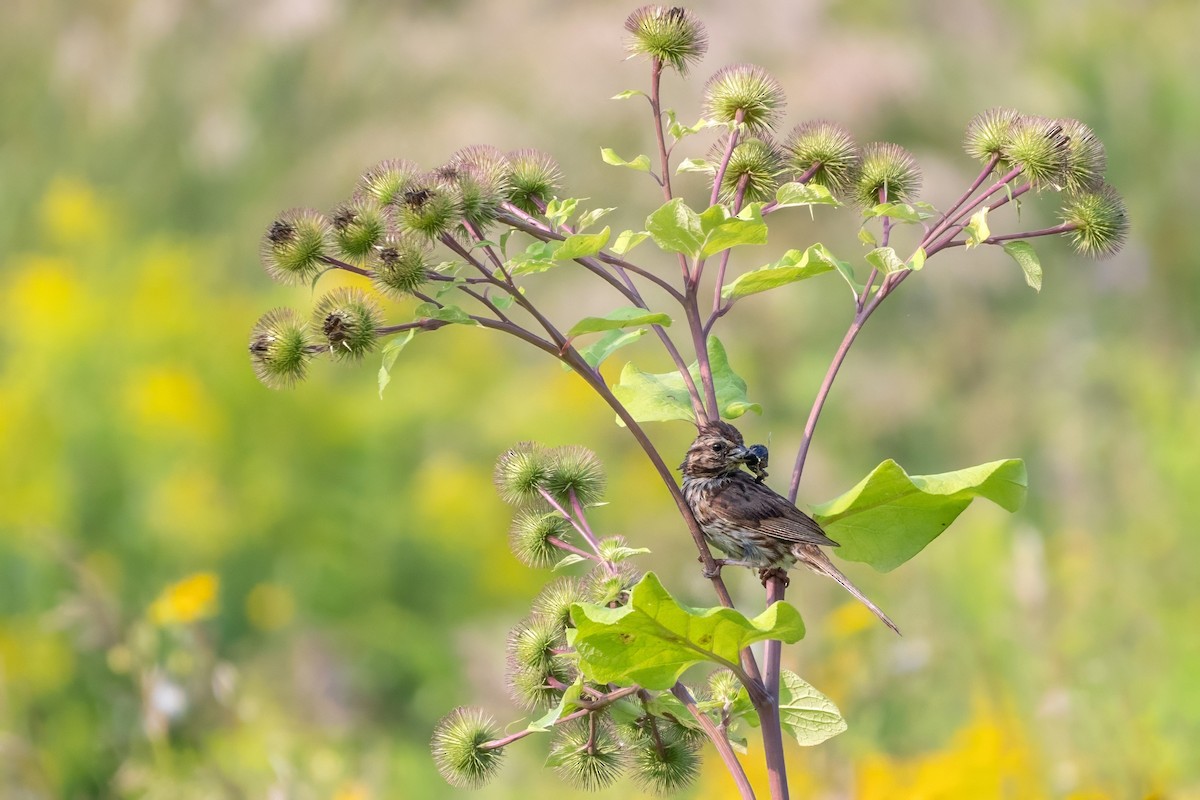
(747, 520)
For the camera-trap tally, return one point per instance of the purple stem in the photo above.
(719, 739)
(608, 699)
(1066, 227)
(339, 264)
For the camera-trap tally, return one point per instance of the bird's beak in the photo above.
(739, 454)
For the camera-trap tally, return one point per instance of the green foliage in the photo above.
(807, 715)
(391, 351)
(619, 319)
(640, 163)
(1026, 258)
(890, 516)
(654, 639)
(662, 397)
(795, 266)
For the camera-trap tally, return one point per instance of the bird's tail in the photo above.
(815, 559)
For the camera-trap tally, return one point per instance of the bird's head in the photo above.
(718, 450)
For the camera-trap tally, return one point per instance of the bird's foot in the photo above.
(767, 573)
(714, 571)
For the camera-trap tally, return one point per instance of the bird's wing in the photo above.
(759, 507)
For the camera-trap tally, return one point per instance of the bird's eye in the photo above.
(718, 447)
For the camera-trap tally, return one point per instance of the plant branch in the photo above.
(719, 739)
(605, 700)
(664, 157)
(1066, 227)
(339, 264)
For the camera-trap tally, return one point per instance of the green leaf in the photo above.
(538, 257)
(675, 228)
(885, 260)
(795, 266)
(390, 351)
(746, 228)
(1026, 258)
(809, 716)
(582, 245)
(653, 639)
(609, 343)
(641, 163)
(679, 131)
(695, 165)
(977, 229)
(629, 317)
(891, 516)
(901, 212)
(866, 237)
(503, 301)
(804, 194)
(591, 218)
(918, 260)
(614, 551)
(559, 211)
(566, 704)
(663, 397)
(447, 313)
(627, 240)
(625, 95)
(568, 560)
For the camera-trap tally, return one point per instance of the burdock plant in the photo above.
(601, 657)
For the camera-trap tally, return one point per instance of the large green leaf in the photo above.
(676, 228)
(1023, 254)
(653, 639)
(890, 516)
(581, 245)
(721, 232)
(607, 344)
(803, 194)
(796, 265)
(658, 398)
(809, 716)
(630, 317)
(885, 260)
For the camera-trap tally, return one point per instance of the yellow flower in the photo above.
(191, 599)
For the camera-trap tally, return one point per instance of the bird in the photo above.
(749, 521)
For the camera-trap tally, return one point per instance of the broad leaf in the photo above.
(901, 212)
(695, 165)
(662, 397)
(746, 228)
(1023, 254)
(653, 639)
(891, 516)
(446, 313)
(977, 229)
(630, 317)
(390, 351)
(608, 344)
(559, 211)
(641, 163)
(538, 257)
(627, 240)
(867, 237)
(590, 218)
(795, 266)
(581, 245)
(809, 716)
(566, 704)
(804, 194)
(625, 95)
(918, 260)
(676, 228)
(885, 260)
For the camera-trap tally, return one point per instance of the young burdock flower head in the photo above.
(757, 160)
(827, 151)
(744, 88)
(534, 643)
(533, 179)
(670, 34)
(1099, 219)
(401, 264)
(665, 764)
(480, 194)
(521, 472)
(888, 171)
(586, 754)
(388, 181)
(604, 588)
(280, 348)
(1038, 146)
(1086, 159)
(530, 534)
(457, 752)
(358, 227)
(295, 244)
(988, 133)
(577, 470)
(537, 687)
(555, 600)
(430, 207)
(347, 318)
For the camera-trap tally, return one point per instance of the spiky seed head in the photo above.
(1100, 219)
(457, 752)
(521, 472)
(400, 264)
(295, 244)
(480, 193)
(575, 469)
(555, 600)
(484, 160)
(668, 764)
(533, 178)
(347, 319)
(746, 88)
(430, 207)
(388, 181)
(534, 688)
(988, 133)
(1086, 159)
(359, 226)
(280, 348)
(604, 588)
(673, 35)
(723, 686)
(886, 167)
(533, 643)
(530, 534)
(755, 158)
(830, 148)
(1038, 146)
(585, 761)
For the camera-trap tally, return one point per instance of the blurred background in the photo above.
(210, 589)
